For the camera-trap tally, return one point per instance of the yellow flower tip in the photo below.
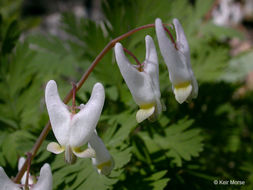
(87, 153)
(144, 113)
(105, 168)
(182, 91)
(55, 148)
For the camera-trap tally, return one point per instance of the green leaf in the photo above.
(238, 68)
(179, 142)
(158, 180)
(9, 148)
(208, 61)
(11, 36)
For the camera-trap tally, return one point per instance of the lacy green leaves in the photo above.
(158, 179)
(238, 68)
(178, 142)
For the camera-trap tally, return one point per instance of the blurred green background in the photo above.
(188, 147)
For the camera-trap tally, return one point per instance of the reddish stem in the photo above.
(47, 128)
(171, 37)
(73, 109)
(29, 155)
(131, 54)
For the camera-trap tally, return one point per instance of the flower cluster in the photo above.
(144, 83)
(74, 130)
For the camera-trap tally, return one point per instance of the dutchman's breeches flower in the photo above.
(44, 182)
(103, 160)
(177, 59)
(73, 130)
(143, 83)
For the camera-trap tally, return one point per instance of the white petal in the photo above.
(6, 183)
(182, 93)
(21, 162)
(144, 113)
(151, 65)
(103, 160)
(55, 148)
(174, 59)
(58, 113)
(181, 38)
(45, 180)
(84, 122)
(87, 153)
(139, 83)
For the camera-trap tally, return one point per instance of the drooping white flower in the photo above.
(73, 130)
(44, 182)
(103, 160)
(144, 84)
(177, 59)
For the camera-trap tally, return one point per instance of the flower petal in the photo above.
(58, 113)
(103, 160)
(182, 92)
(55, 148)
(151, 64)
(6, 183)
(85, 121)
(181, 38)
(152, 68)
(21, 162)
(139, 83)
(144, 113)
(87, 153)
(45, 180)
(174, 59)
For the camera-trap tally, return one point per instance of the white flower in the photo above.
(73, 130)
(184, 84)
(103, 160)
(44, 182)
(144, 84)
